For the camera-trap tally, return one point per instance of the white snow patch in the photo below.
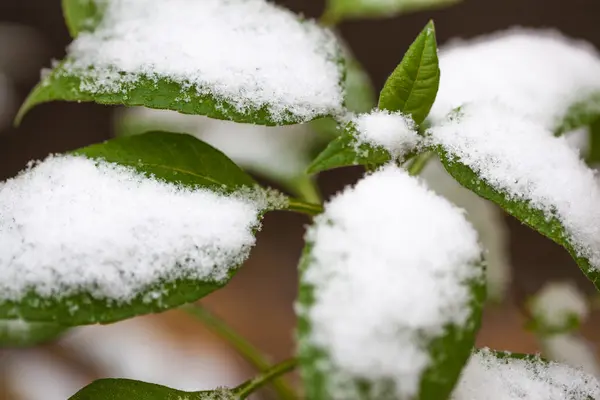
(557, 303)
(282, 152)
(489, 377)
(522, 159)
(70, 224)
(486, 218)
(573, 350)
(394, 132)
(389, 265)
(249, 53)
(538, 72)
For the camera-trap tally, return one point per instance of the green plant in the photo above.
(392, 275)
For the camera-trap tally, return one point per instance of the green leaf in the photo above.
(412, 87)
(174, 158)
(346, 151)
(536, 219)
(82, 15)
(18, 333)
(594, 153)
(126, 389)
(344, 9)
(582, 113)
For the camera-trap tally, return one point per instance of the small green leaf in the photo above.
(82, 15)
(173, 158)
(344, 9)
(412, 87)
(582, 113)
(536, 219)
(126, 389)
(346, 151)
(18, 333)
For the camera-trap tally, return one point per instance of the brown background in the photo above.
(259, 300)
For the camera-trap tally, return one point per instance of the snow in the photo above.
(537, 72)
(520, 158)
(388, 265)
(557, 303)
(282, 152)
(394, 132)
(248, 53)
(489, 377)
(573, 350)
(487, 219)
(70, 224)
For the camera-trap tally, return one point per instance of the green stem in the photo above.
(303, 207)
(247, 388)
(305, 187)
(419, 162)
(243, 346)
(329, 18)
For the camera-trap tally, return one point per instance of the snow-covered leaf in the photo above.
(19, 333)
(82, 15)
(583, 113)
(131, 226)
(343, 9)
(412, 87)
(391, 293)
(243, 60)
(559, 307)
(512, 376)
(371, 139)
(514, 161)
(126, 389)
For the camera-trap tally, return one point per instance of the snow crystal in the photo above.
(487, 219)
(388, 265)
(280, 151)
(248, 53)
(70, 224)
(573, 350)
(557, 303)
(394, 132)
(489, 377)
(520, 158)
(538, 72)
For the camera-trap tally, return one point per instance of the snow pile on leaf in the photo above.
(540, 73)
(520, 158)
(280, 151)
(389, 267)
(558, 303)
(248, 53)
(486, 218)
(394, 132)
(574, 350)
(70, 224)
(506, 378)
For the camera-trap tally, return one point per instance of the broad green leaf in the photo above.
(582, 113)
(412, 87)
(174, 158)
(536, 219)
(18, 333)
(345, 9)
(126, 389)
(345, 151)
(82, 15)
(449, 353)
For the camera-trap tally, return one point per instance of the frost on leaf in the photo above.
(539, 73)
(559, 306)
(512, 377)
(246, 60)
(486, 218)
(391, 131)
(70, 225)
(389, 270)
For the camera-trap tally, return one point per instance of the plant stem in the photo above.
(303, 207)
(329, 19)
(305, 187)
(418, 163)
(247, 388)
(245, 348)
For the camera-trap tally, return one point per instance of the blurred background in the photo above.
(174, 349)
